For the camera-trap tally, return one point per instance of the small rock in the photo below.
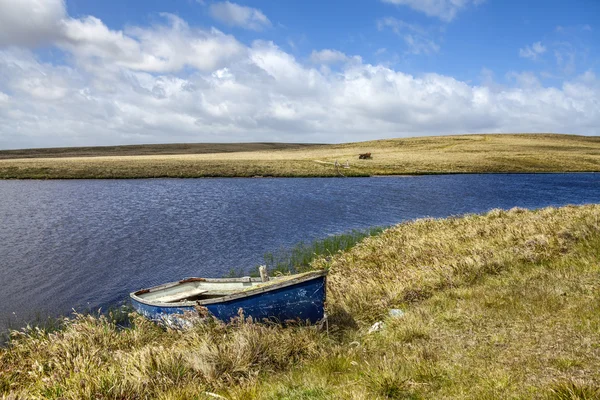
(377, 326)
(396, 313)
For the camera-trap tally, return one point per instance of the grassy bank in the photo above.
(501, 305)
(425, 155)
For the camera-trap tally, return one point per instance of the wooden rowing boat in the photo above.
(299, 297)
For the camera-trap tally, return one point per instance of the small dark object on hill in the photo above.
(365, 156)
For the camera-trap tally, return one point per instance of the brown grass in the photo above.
(149, 150)
(501, 305)
(426, 155)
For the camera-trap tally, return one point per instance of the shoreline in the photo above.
(411, 175)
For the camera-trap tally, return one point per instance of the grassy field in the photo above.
(149, 150)
(424, 155)
(501, 305)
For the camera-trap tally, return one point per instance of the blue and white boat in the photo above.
(299, 297)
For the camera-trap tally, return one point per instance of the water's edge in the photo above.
(86, 244)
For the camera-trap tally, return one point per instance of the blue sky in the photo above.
(84, 72)
(487, 35)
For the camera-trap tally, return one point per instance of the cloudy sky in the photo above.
(83, 72)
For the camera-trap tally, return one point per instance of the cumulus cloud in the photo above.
(232, 14)
(445, 10)
(532, 52)
(269, 95)
(165, 47)
(174, 83)
(160, 48)
(418, 39)
(30, 22)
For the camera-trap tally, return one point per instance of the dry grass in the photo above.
(502, 305)
(91, 358)
(427, 155)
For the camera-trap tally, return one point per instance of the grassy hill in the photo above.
(514, 153)
(501, 305)
(148, 150)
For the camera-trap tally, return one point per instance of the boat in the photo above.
(299, 297)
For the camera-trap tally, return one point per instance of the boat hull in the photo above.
(303, 301)
(174, 317)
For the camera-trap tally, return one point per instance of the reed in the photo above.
(500, 305)
(299, 258)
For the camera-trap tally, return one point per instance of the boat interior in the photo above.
(194, 289)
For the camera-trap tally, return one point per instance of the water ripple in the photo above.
(83, 244)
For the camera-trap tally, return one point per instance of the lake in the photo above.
(84, 244)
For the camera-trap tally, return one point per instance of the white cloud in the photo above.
(445, 10)
(159, 48)
(233, 14)
(532, 52)
(418, 39)
(328, 56)
(26, 77)
(271, 96)
(30, 22)
(174, 83)
(280, 69)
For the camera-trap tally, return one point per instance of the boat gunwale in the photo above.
(307, 276)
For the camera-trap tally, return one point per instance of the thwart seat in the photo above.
(181, 295)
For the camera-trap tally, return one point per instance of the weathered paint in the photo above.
(173, 317)
(302, 301)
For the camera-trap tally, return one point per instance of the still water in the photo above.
(87, 243)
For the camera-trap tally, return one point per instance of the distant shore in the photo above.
(497, 153)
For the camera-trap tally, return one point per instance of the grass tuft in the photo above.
(573, 390)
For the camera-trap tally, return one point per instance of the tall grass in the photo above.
(119, 314)
(299, 258)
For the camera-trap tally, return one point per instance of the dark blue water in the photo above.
(88, 243)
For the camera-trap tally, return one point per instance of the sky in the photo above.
(86, 73)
